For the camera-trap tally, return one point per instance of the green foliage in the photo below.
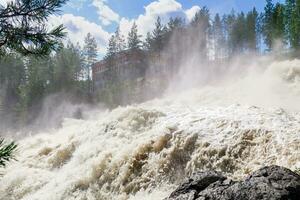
(252, 30)
(90, 48)
(66, 67)
(292, 21)
(218, 37)
(200, 28)
(23, 26)
(116, 44)
(134, 41)
(279, 26)
(175, 24)
(157, 37)
(120, 41)
(112, 49)
(12, 79)
(273, 24)
(268, 23)
(26, 82)
(238, 38)
(168, 45)
(201, 20)
(6, 152)
(148, 41)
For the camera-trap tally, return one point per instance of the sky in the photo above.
(102, 17)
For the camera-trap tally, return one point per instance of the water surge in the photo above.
(143, 151)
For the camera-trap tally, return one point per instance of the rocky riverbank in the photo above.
(273, 182)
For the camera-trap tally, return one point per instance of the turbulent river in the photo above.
(143, 151)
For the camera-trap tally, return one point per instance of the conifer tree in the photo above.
(134, 41)
(175, 24)
(90, 51)
(175, 39)
(23, 26)
(112, 47)
(278, 23)
(288, 14)
(201, 26)
(148, 42)
(174, 30)
(268, 24)
(218, 37)
(67, 64)
(296, 43)
(230, 32)
(292, 21)
(119, 40)
(240, 29)
(157, 43)
(110, 57)
(252, 30)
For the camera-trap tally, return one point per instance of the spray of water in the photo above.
(236, 124)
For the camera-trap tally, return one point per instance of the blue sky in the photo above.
(101, 17)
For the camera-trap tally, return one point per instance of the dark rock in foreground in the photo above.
(268, 183)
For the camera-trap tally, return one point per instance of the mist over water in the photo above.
(235, 122)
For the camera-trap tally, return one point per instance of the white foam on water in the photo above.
(144, 151)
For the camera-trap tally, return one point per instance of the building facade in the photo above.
(123, 66)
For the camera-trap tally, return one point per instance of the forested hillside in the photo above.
(26, 80)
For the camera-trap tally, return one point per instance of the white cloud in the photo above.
(190, 13)
(146, 21)
(163, 8)
(78, 27)
(106, 14)
(78, 4)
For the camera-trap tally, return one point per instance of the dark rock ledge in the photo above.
(268, 183)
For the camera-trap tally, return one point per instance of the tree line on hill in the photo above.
(225, 36)
(26, 79)
(207, 37)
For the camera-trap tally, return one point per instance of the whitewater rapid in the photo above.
(143, 151)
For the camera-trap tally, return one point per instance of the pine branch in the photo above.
(23, 26)
(37, 9)
(6, 152)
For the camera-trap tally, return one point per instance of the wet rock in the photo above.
(268, 183)
(198, 182)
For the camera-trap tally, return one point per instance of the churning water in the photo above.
(143, 151)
